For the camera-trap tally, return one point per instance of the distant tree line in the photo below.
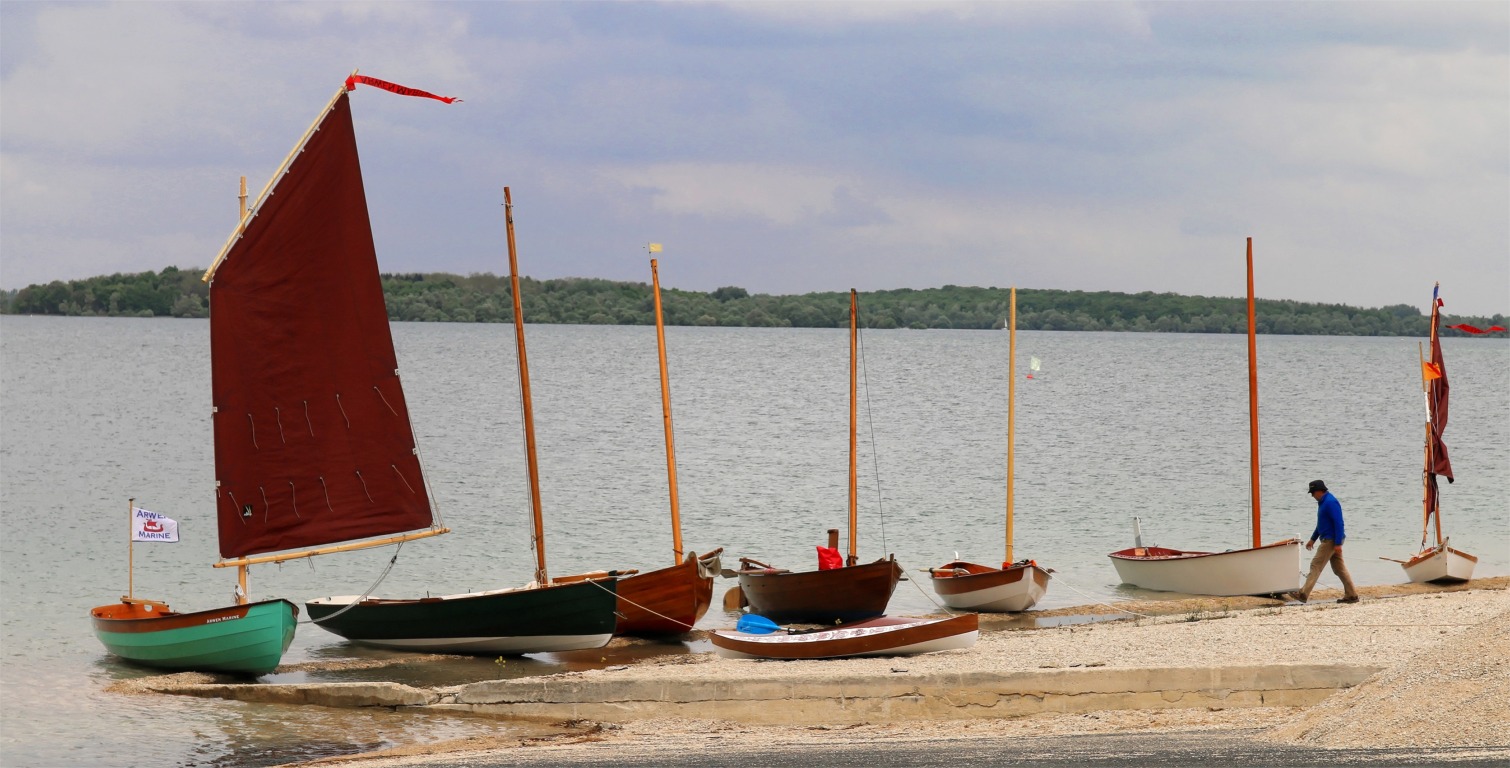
(485, 298)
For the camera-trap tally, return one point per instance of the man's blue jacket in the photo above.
(1329, 520)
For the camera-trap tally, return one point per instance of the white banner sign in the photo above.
(150, 526)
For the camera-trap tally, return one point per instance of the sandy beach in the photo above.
(1443, 648)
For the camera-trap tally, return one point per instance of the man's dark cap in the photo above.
(1316, 485)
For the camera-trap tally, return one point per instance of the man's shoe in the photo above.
(1352, 599)
(1296, 596)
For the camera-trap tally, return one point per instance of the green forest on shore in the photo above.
(484, 298)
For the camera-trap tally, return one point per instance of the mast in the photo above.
(1428, 498)
(1253, 397)
(130, 549)
(241, 570)
(533, 466)
(854, 335)
(1011, 412)
(1432, 512)
(660, 342)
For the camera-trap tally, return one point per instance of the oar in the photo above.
(1392, 560)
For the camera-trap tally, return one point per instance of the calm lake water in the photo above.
(96, 411)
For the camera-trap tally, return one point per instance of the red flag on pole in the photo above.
(1470, 329)
(402, 90)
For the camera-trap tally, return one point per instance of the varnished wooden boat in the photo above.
(845, 594)
(849, 592)
(667, 601)
(884, 636)
(974, 587)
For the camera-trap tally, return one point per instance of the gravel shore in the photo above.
(1445, 683)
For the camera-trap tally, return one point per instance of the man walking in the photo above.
(1329, 531)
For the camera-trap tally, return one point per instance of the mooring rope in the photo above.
(646, 609)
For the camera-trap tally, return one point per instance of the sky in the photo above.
(791, 147)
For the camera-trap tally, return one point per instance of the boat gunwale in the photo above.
(1177, 554)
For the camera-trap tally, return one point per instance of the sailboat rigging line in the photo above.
(278, 418)
(646, 609)
(1097, 600)
(363, 597)
(944, 608)
(363, 481)
(266, 507)
(435, 518)
(524, 440)
(343, 410)
(307, 422)
(237, 505)
(292, 500)
(326, 488)
(874, 454)
(253, 422)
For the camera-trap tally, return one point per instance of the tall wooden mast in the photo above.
(541, 576)
(854, 388)
(1253, 397)
(660, 342)
(1011, 412)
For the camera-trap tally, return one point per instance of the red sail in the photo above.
(312, 437)
(1436, 398)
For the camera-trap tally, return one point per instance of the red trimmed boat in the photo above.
(883, 636)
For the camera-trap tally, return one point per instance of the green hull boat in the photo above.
(242, 639)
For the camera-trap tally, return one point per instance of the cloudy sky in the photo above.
(792, 147)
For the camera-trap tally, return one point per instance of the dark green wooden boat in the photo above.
(558, 617)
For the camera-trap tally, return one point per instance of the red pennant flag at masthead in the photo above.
(351, 85)
(1466, 328)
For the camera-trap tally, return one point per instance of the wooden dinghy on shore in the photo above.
(244, 639)
(883, 636)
